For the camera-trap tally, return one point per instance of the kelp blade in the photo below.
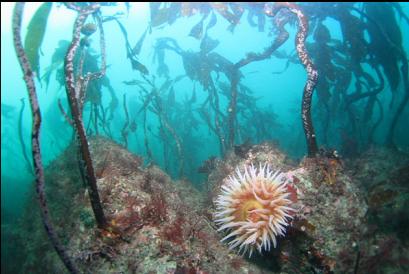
(35, 35)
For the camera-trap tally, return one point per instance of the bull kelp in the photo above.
(205, 137)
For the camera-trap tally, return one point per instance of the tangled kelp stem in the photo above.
(232, 106)
(312, 73)
(402, 104)
(251, 57)
(35, 140)
(146, 142)
(74, 102)
(164, 122)
(124, 130)
(218, 116)
(20, 136)
(66, 117)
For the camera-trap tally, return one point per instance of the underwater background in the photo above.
(191, 88)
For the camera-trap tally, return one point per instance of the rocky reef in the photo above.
(330, 210)
(156, 225)
(162, 226)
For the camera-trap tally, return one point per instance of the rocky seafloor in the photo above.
(351, 216)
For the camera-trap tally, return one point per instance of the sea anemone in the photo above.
(255, 208)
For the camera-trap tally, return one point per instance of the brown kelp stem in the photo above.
(88, 130)
(377, 123)
(96, 115)
(67, 118)
(103, 120)
(124, 130)
(351, 98)
(278, 41)
(112, 106)
(206, 117)
(178, 144)
(231, 110)
(35, 142)
(214, 103)
(404, 70)
(403, 103)
(148, 150)
(164, 122)
(74, 102)
(312, 74)
(165, 143)
(20, 136)
(250, 57)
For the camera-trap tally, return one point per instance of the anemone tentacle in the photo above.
(253, 208)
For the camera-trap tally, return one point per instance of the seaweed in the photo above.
(175, 232)
(312, 74)
(35, 141)
(124, 130)
(20, 136)
(35, 36)
(386, 40)
(250, 57)
(138, 46)
(131, 52)
(75, 101)
(197, 30)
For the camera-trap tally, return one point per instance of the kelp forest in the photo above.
(177, 137)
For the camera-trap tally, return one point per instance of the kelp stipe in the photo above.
(76, 94)
(35, 140)
(312, 73)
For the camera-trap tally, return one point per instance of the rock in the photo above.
(157, 225)
(330, 211)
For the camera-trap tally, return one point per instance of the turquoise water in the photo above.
(270, 90)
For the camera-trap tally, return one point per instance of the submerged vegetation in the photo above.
(358, 73)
